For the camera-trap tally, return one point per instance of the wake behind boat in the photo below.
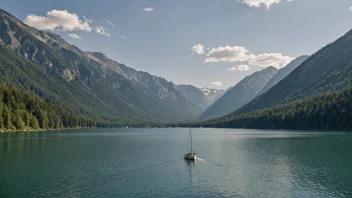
(191, 155)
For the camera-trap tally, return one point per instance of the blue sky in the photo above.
(193, 41)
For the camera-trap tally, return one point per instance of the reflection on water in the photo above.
(190, 163)
(149, 163)
(190, 166)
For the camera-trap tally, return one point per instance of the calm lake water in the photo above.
(149, 163)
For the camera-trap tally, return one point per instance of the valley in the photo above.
(111, 94)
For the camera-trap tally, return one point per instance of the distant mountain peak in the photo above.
(240, 94)
(283, 72)
(202, 97)
(208, 91)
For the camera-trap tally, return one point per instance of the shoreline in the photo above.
(36, 130)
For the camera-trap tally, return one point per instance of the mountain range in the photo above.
(202, 97)
(331, 111)
(326, 71)
(240, 94)
(101, 90)
(315, 95)
(88, 83)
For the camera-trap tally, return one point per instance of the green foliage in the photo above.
(20, 110)
(17, 120)
(325, 112)
(26, 118)
(43, 119)
(34, 122)
(1, 109)
(87, 83)
(6, 114)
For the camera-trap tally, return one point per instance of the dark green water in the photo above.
(149, 163)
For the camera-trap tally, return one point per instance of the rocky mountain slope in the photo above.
(283, 72)
(212, 95)
(202, 97)
(87, 82)
(327, 70)
(240, 94)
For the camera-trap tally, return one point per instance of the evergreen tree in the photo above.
(19, 110)
(34, 122)
(1, 108)
(17, 120)
(43, 119)
(26, 117)
(325, 112)
(6, 114)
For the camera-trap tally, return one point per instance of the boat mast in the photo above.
(190, 134)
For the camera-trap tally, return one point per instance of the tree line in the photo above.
(331, 111)
(23, 111)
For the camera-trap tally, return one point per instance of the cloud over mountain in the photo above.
(270, 59)
(58, 20)
(241, 55)
(240, 68)
(227, 54)
(217, 83)
(258, 3)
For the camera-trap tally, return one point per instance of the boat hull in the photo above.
(193, 157)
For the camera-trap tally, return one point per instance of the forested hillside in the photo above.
(87, 83)
(327, 70)
(23, 111)
(325, 112)
(240, 94)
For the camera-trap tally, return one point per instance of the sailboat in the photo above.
(191, 155)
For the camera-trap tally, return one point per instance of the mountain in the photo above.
(194, 95)
(202, 97)
(327, 70)
(240, 94)
(324, 112)
(282, 73)
(87, 83)
(212, 95)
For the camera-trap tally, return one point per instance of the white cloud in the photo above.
(227, 54)
(351, 8)
(198, 49)
(110, 23)
(242, 55)
(75, 36)
(101, 30)
(217, 83)
(258, 3)
(240, 68)
(270, 59)
(148, 9)
(58, 20)
(123, 37)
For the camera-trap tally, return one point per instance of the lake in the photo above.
(149, 163)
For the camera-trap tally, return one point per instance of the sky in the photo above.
(205, 43)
